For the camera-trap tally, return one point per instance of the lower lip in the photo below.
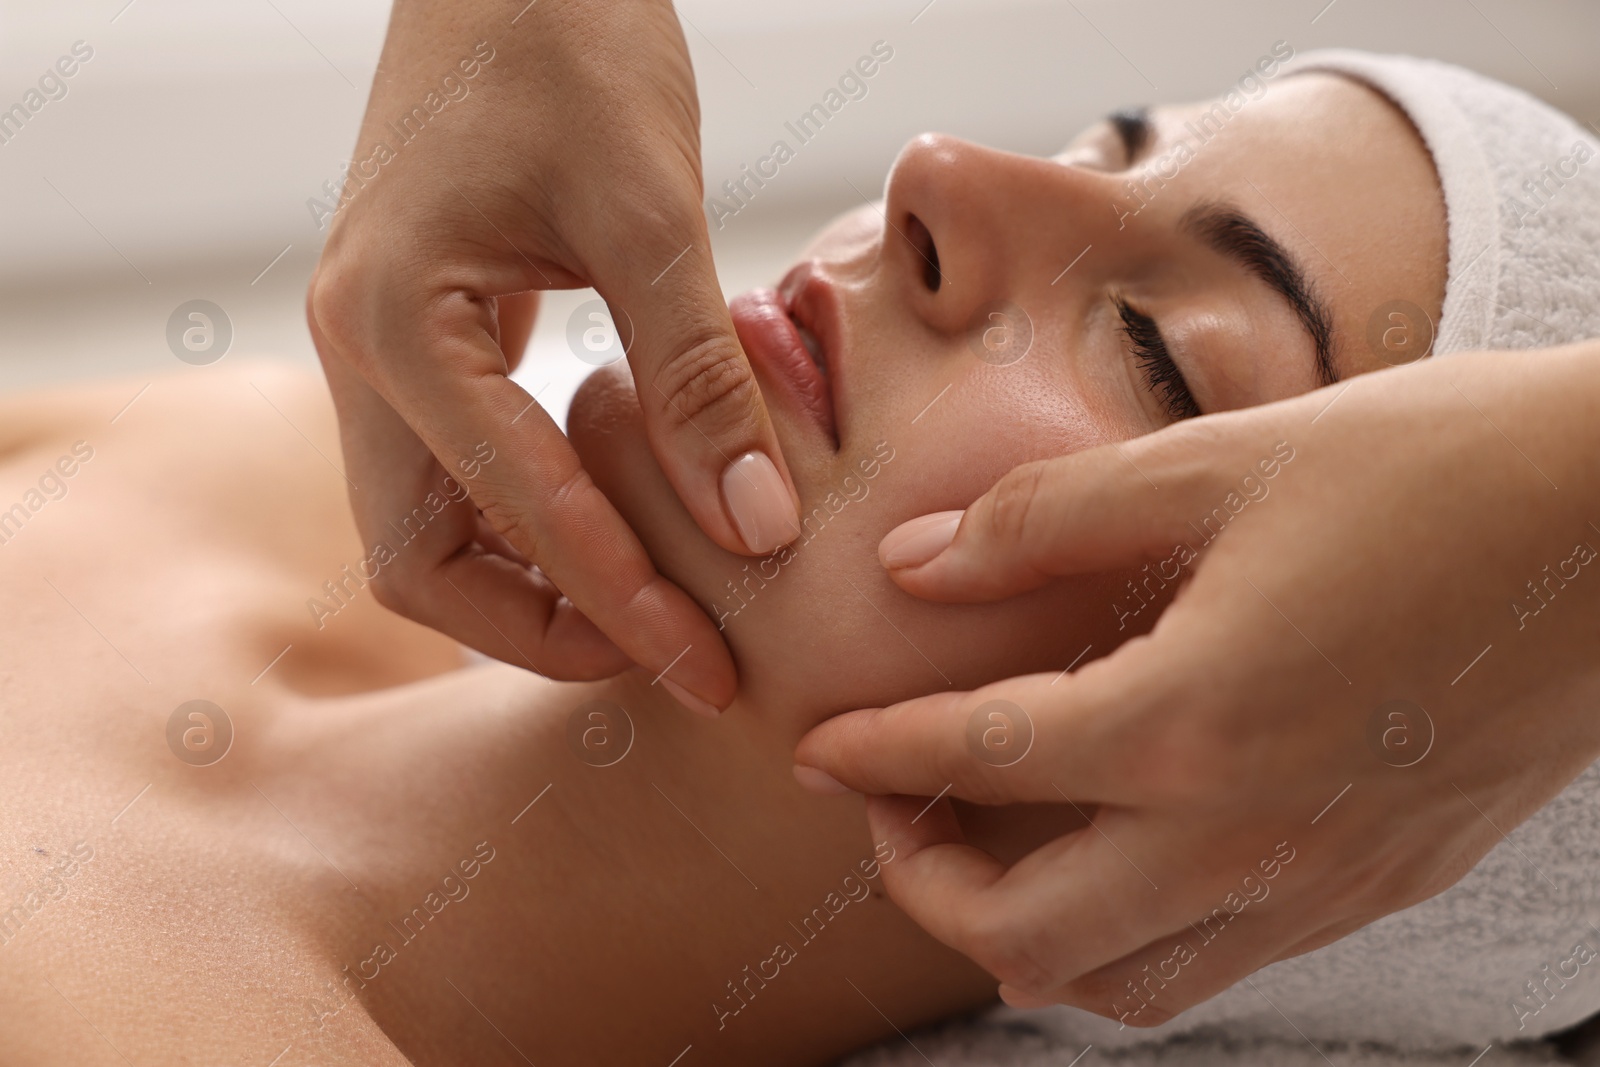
(773, 344)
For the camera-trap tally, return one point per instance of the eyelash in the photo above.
(1161, 374)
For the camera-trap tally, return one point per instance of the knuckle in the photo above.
(1123, 998)
(1100, 992)
(1192, 451)
(1148, 1014)
(571, 492)
(971, 779)
(521, 522)
(389, 591)
(1184, 442)
(1353, 890)
(1011, 502)
(516, 525)
(708, 380)
(653, 210)
(1394, 878)
(1010, 953)
(309, 304)
(978, 784)
(333, 305)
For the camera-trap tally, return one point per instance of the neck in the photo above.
(467, 826)
(394, 783)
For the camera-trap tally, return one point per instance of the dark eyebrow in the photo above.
(1229, 232)
(1133, 127)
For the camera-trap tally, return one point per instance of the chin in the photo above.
(783, 629)
(819, 628)
(607, 431)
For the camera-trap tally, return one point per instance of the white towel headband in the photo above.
(1521, 187)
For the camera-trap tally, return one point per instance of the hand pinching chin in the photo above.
(419, 337)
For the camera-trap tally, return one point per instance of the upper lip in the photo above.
(771, 326)
(813, 303)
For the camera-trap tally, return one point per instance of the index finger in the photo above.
(1069, 907)
(704, 414)
(1089, 736)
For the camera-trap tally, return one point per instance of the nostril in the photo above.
(922, 241)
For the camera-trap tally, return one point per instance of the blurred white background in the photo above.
(179, 163)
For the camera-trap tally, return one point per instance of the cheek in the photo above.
(768, 609)
(992, 420)
(819, 628)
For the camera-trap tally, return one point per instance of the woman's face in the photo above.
(997, 308)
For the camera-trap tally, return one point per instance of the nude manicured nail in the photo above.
(815, 781)
(911, 544)
(689, 700)
(758, 502)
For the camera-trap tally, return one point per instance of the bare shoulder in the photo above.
(29, 416)
(131, 479)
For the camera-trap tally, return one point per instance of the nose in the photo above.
(970, 226)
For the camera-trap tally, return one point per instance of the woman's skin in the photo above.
(1316, 154)
(603, 923)
(220, 905)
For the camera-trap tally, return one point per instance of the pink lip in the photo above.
(765, 321)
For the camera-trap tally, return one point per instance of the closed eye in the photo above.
(1161, 375)
(1133, 129)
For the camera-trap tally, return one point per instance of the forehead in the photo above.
(1305, 105)
(1330, 168)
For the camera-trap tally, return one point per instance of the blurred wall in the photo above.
(180, 160)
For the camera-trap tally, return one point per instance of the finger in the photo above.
(1118, 505)
(1234, 926)
(474, 587)
(703, 411)
(429, 566)
(447, 380)
(1068, 908)
(490, 538)
(1040, 737)
(1172, 973)
(427, 558)
(1321, 938)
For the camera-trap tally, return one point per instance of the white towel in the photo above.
(990, 1043)
(1522, 194)
(1512, 951)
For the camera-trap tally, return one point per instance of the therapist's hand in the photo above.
(1254, 793)
(511, 147)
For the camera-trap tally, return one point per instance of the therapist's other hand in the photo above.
(509, 148)
(1254, 793)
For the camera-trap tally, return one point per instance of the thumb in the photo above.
(1114, 506)
(705, 418)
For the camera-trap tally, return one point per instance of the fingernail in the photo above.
(759, 503)
(911, 544)
(690, 701)
(815, 781)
